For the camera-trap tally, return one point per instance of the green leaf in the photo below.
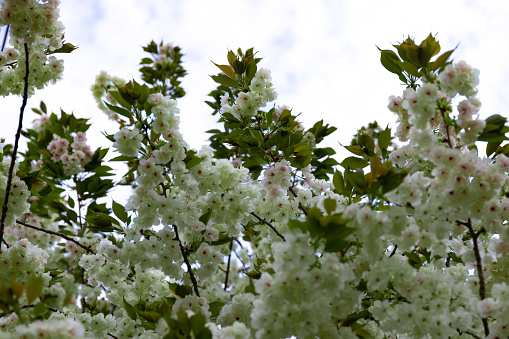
(368, 143)
(224, 80)
(118, 97)
(43, 107)
(338, 182)
(119, 110)
(66, 48)
(215, 308)
(354, 162)
(227, 70)
(193, 161)
(390, 61)
(410, 69)
(251, 69)
(34, 288)
(146, 61)
(198, 322)
(101, 222)
(330, 205)
(391, 180)
(357, 150)
(119, 211)
(131, 312)
(384, 138)
(123, 158)
(206, 217)
(441, 60)
(254, 274)
(492, 147)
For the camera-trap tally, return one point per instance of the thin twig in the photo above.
(482, 287)
(393, 251)
(268, 224)
(469, 333)
(343, 252)
(5, 242)
(15, 149)
(446, 127)
(33, 305)
(228, 266)
(189, 269)
(5, 37)
(113, 336)
(86, 248)
(302, 208)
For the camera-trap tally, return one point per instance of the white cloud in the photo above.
(322, 54)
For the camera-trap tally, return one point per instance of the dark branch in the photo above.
(268, 224)
(189, 269)
(482, 287)
(86, 248)
(15, 149)
(228, 266)
(393, 251)
(302, 208)
(5, 37)
(33, 305)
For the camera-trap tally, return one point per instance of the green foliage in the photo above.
(330, 228)
(494, 134)
(164, 77)
(262, 139)
(414, 61)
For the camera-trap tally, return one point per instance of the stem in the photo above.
(302, 208)
(189, 269)
(228, 266)
(393, 251)
(88, 249)
(469, 333)
(5, 37)
(79, 207)
(268, 224)
(15, 149)
(446, 127)
(33, 305)
(482, 287)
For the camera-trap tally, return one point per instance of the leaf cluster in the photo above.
(413, 61)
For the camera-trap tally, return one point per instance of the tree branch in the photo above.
(5, 37)
(88, 249)
(189, 269)
(446, 127)
(302, 208)
(228, 266)
(33, 305)
(482, 287)
(15, 149)
(268, 224)
(393, 251)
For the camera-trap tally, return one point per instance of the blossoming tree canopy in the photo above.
(262, 233)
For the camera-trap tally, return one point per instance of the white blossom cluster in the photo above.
(128, 142)
(48, 329)
(21, 262)
(247, 103)
(34, 23)
(40, 239)
(104, 83)
(164, 56)
(19, 194)
(291, 300)
(74, 161)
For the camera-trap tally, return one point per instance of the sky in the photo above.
(322, 55)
